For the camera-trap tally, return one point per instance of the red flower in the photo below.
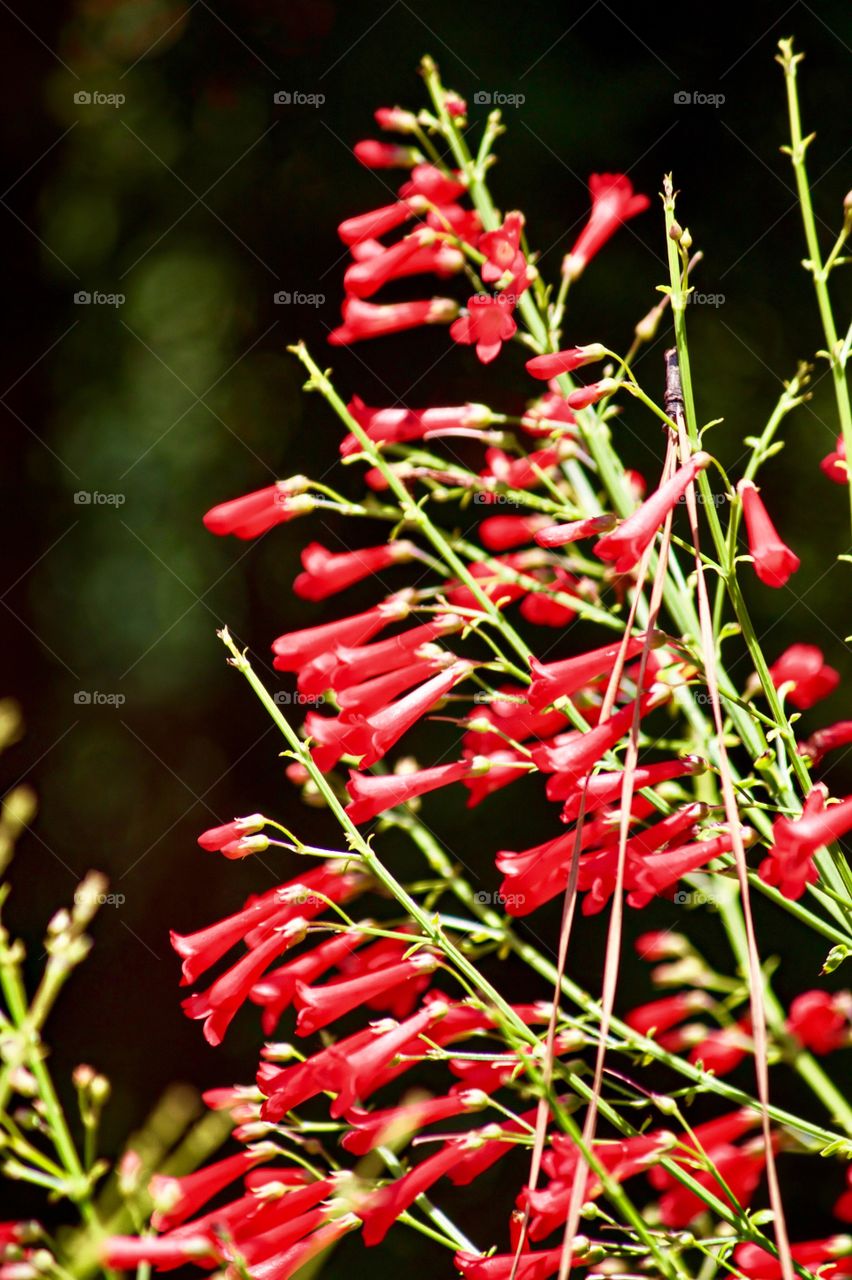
(487, 324)
(126, 1253)
(559, 535)
(366, 226)
(327, 573)
(421, 252)
(399, 425)
(584, 396)
(605, 788)
(834, 465)
(428, 181)
(502, 533)
(502, 249)
(540, 607)
(256, 512)
(521, 473)
(217, 837)
(295, 648)
(372, 695)
(275, 990)
(555, 680)
(820, 1021)
(803, 666)
(384, 155)
(557, 362)
(370, 320)
(382, 1208)
(627, 543)
(825, 740)
(506, 1266)
(773, 561)
(377, 733)
(185, 1196)
(613, 202)
(372, 1129)
(723, 1049)
(375, 794)
(319, 1006)
(667, 1012)
(830, 1257)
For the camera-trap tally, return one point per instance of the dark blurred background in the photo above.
(196, 198)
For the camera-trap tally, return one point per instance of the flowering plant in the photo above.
(570, 621)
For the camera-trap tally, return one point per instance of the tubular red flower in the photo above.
(503, 533)
(430, 182)
(257, 512)
(217, 837)
(372, 695)
(555, 680)
(377, 1128)
(773, 561)
(419, 253)
(825, 740)
(281, 1266)
(276, 990)
(595, 391)
(724, 1048)
(819, 1020)
(834, 464)
(803, 666)
(326, 573)
(186, 1195)
(295, 648)
(627, 543)
(558, 362)
(521, 473)
(559, 535)
(319, 1006)
(126, 1253)
(540, 608)
(372, 320)
(377, 733)
(487, 325)
(371, 795)
(382, 1208)
(502, 249)
(508, 1266)
(613, 202)
(365, 226)
(580, 752)
(384, 155)
(667, 1012)
(341, 666)
(605, 788)
(399, 425)
(790, 863)
(829, 1257)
